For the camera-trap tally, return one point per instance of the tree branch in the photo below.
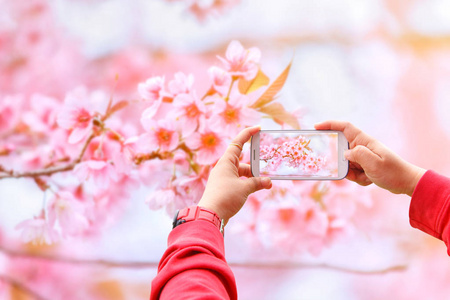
(51, 170)
(248, 265)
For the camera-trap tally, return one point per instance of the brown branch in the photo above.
(22, 287)
(51, 170)
(248, 265)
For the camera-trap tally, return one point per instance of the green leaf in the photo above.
(248, 86)
(271, 92)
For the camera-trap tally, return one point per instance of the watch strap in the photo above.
(193, 213)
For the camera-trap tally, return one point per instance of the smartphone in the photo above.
(299, 154)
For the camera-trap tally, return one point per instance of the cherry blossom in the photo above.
(152, 89)
(76, 116)
(161, 134)
(241, 62)
(210, 143)
(181, 84)
(160, 198)
(234, 114)
(221, 79)
(101, 172)
(69, 212)
(188, 109)
(38, 231)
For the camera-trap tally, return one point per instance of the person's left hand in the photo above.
(226, 192)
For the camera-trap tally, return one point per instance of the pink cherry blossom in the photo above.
(160, 198)
(76, 116)
(234, 115)
(152, 89)
(293, 226)
(241, 62)
(9, 112)
(69, 212)
(38, 231)
(181, 84)
(43, 115)
(221, 79)
(188, 110)
(210, 144)
(191, 187)
(101, 172)
(160, 135)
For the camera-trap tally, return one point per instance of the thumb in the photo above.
(254, 184)
(363, 156)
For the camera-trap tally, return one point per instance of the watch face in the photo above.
(175, 219)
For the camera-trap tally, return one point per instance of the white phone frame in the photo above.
(343, 163)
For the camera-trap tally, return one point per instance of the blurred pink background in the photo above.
(382, 65)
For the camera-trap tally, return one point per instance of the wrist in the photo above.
(194, 213)
(222, 215)
(416, 175)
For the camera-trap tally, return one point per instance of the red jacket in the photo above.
(430, 206)
(194, 265)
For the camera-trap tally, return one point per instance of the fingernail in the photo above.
(266, 182)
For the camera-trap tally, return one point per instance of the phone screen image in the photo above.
(293, 154)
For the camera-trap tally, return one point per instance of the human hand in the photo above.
(226, 192)
(371, 161)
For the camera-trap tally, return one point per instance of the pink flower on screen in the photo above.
(181, 84)
(210, 144)
(69, 213)
(152, 89)
(188, 109)
(234, 115)
(241, 62)
(160, 134)
(38, 231)
(100, 171)
(76, 115)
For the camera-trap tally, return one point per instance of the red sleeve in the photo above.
(430, 206)
(194, 265)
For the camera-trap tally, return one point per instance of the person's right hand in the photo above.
(371, 161)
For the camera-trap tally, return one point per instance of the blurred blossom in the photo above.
(38, 231)
(69, 212)
(241, 62)
(181, 84)
(101, 172)
(160, 198)
(152, 89)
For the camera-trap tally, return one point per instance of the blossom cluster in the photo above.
(291, 152)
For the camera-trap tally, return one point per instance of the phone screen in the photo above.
(294, 154)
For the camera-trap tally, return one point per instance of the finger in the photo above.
(235, 147)
(363, 156)
(245, 170)
(353, 134)
(359, 177)
(254, 184)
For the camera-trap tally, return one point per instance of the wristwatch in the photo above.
(193, 213)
